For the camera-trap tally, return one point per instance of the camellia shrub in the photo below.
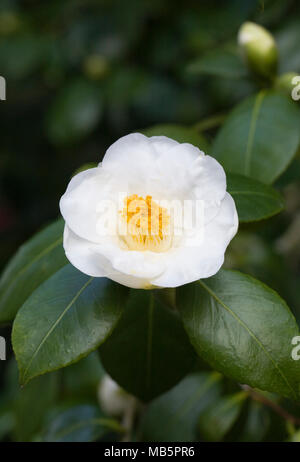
(134, 270)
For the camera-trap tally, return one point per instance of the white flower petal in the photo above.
(129, 153)
(189, 263)
(162, 143)
(88, 258)
(181, 154)
(175, 171)
(130, 281)
(146, 265)
(81, 254)
(131, 160)
(210, 186)
(80, 205)
(212, 181)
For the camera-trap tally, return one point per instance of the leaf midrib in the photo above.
(249, 331)
(49, 332)
(149, 342)
(252, 130)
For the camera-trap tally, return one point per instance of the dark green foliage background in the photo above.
(80, 74)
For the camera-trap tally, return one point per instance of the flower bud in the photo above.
(112, 398)
(259, 49)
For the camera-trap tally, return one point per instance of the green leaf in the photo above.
(260, 137)
(287, 38)
(34, 262)
(31, 405)
(149, 351)
(295, 438)
(79, 424)
(82, 378)
(173, 416)
(74, 113)
(179, 133)
(220, 63)
(66, 318)
(243, 329)
(257, 423)
(218, 419)
(254, 200)
(21, 55)
(7, 422)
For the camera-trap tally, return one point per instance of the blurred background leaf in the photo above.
(220, 416)
(82, 423)
(178, 410)
(74, 112)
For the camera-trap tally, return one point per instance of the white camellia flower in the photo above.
(154, 213)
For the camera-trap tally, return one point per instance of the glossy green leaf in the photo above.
(179, 133)
(82, 423)
(260, 137)
(243, 329)
(66, 318)
(254, 200)
(220, 63)
(74, 113)
(173, 416)
(34, 262)
(149, 351)
(220, 416)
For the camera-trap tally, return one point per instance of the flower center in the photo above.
(147, 224)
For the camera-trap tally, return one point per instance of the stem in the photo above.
(128, 419)
(210, 122)
(274, 406)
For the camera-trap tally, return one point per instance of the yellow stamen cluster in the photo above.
(148, 224)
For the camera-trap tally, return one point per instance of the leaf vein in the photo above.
(252, 128)
(149, 341)
(256, 339)
(54, 326)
